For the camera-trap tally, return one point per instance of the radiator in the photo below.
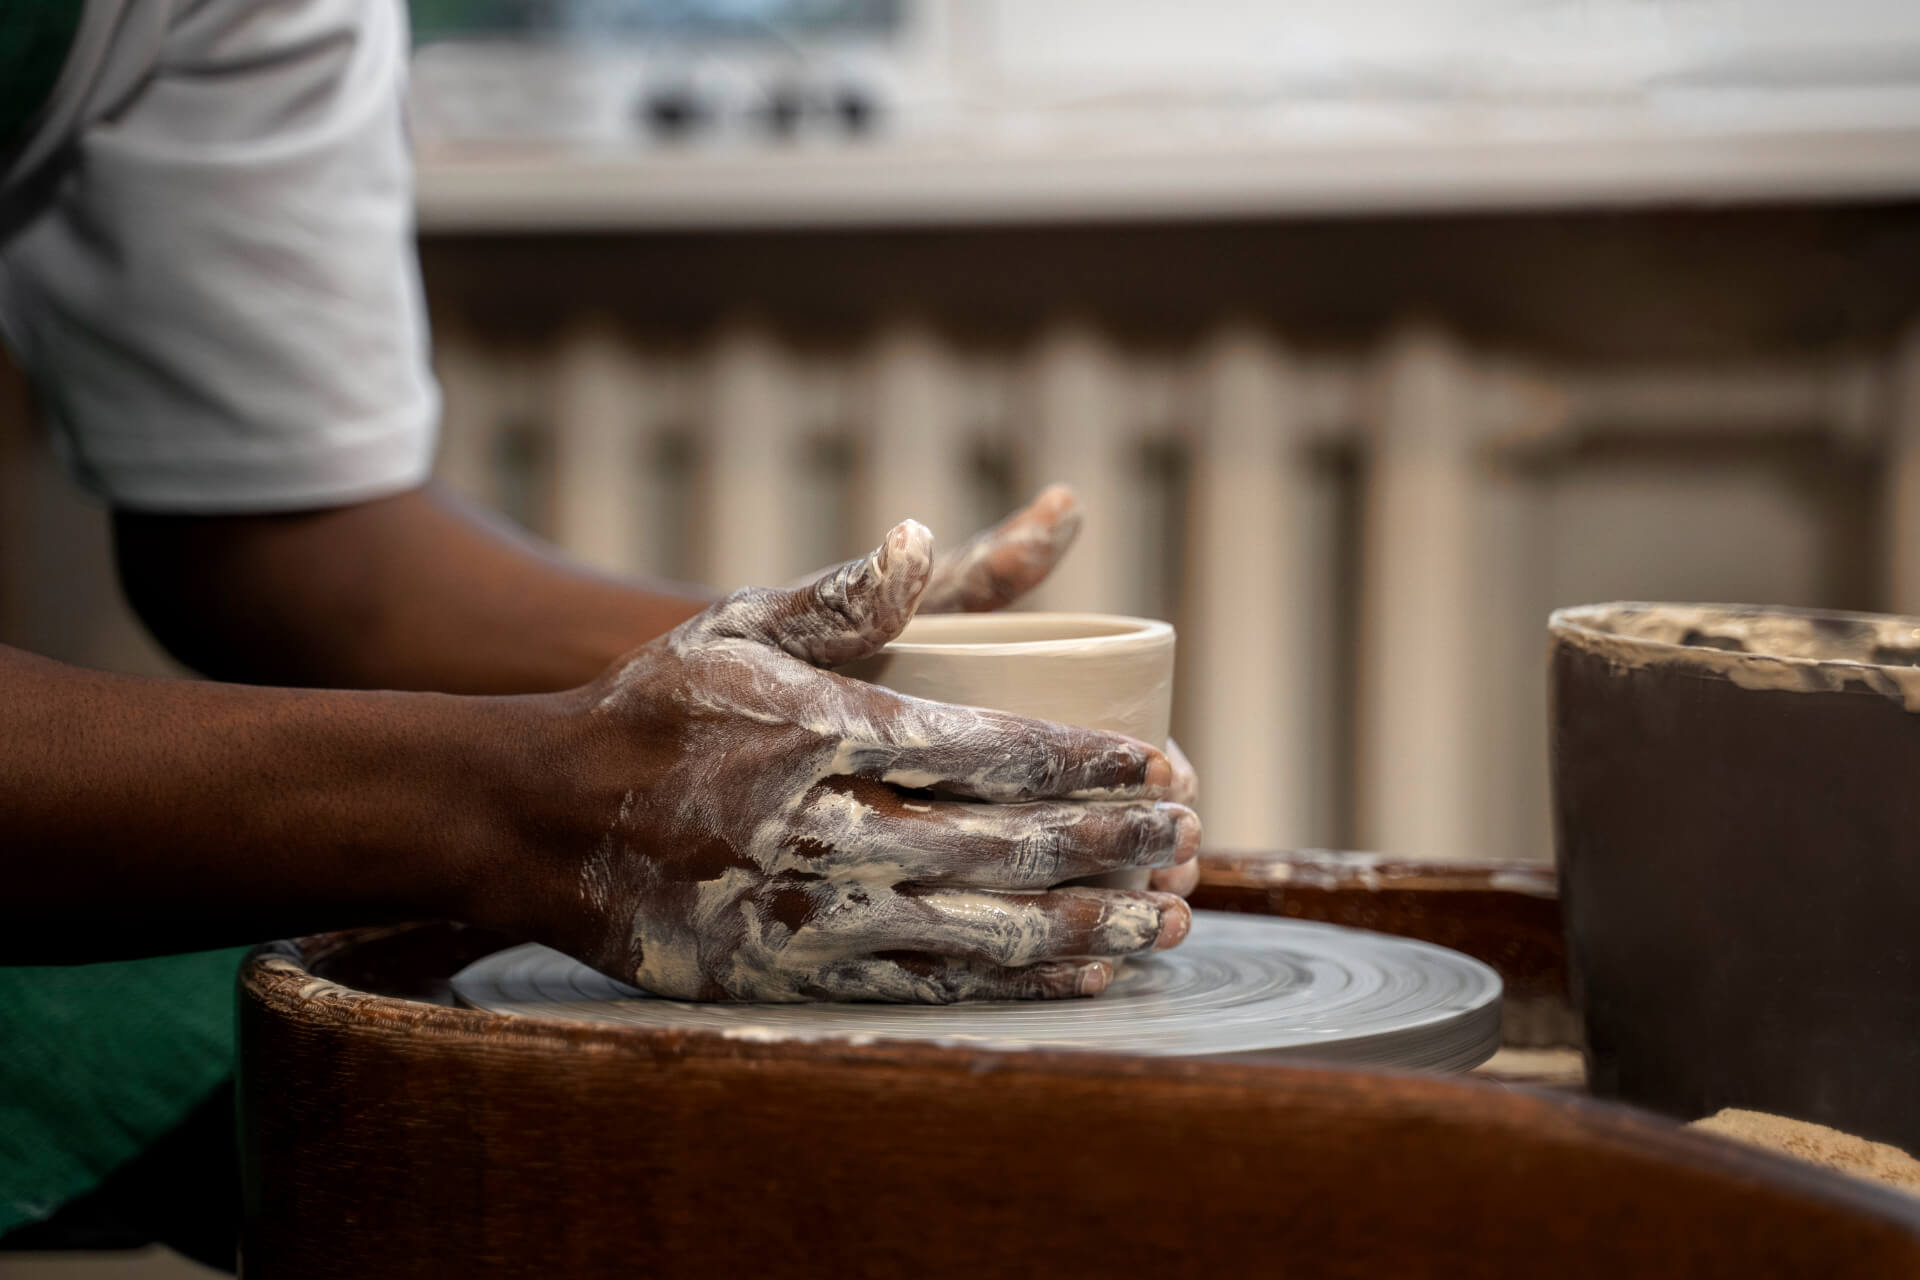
(1342, 539)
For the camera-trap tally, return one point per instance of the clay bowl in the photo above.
(1095, 670)
(1738, 821)
(383, 1134)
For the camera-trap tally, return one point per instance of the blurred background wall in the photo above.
(1369, 334)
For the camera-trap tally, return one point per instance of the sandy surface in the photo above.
(1817, 1144)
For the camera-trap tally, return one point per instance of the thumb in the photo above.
(848, 613)
(997, 566)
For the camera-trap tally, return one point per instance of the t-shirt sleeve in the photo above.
(220, 305)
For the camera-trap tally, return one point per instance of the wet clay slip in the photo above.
(1097, 671)
(1737, 809)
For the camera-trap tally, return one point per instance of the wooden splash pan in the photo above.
(385, 1132)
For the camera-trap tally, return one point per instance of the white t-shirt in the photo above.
(207, 261)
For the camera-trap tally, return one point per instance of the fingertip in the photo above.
(908, 542)
(1094, 977)
(1187, 833)
(902, 566)
(1186, 785)
(1159, 770)
(1056, 501)
(1059, 511)
(1176, 921)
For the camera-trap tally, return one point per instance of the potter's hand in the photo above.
(997, 566)
(749, 826)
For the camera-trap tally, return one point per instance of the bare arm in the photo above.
(144, 816)
(416, 591)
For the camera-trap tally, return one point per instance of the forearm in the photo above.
(416, 591)
(145, 816)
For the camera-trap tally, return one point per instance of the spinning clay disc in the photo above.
(1277, 987)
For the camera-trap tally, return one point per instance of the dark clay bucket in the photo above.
(1737, 810)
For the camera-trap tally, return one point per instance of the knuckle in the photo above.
(847, 612)
(1127, 835)
(1041, 982)
(740, 611)
(745, 600)
(1054, 765)
(946, 984)
(951, 988)
(1006, 932)
(1153, 835)
(1000, 946)
(1037, 859)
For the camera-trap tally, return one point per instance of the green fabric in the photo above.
(35, 37)
(97, 1061)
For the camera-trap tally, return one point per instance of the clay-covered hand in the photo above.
(750, 826)
(996, 566)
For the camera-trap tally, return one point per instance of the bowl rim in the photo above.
(1758, 671)
(1578, 620)
(1136, 632)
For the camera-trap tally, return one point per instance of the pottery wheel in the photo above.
(1239, 984)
